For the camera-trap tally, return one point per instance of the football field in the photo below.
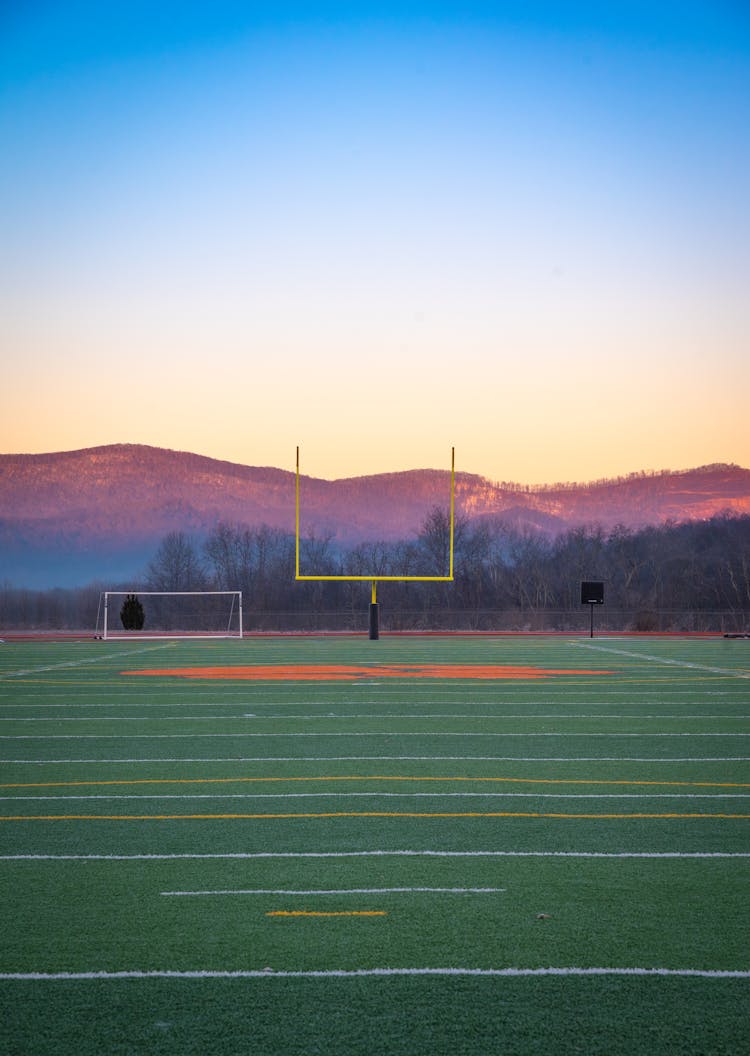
(421, 845)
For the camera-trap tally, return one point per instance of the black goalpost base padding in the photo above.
(374, 622)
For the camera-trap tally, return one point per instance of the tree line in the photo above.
(691, 576)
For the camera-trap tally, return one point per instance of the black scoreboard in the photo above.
(592, 593)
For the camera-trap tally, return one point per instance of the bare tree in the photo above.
(176, 565)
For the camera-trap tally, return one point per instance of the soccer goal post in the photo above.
(169, 614)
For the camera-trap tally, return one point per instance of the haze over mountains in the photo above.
(73, 517)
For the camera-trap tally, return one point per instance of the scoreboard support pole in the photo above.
(592, 593)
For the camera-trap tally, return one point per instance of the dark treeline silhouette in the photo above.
(681, 577)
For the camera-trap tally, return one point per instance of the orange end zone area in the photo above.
(348, 672)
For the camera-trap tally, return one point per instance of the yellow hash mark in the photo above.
(370, 777)
(339, 913)
(346, 814)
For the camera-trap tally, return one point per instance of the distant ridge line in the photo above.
(131, 447)
(118, 501)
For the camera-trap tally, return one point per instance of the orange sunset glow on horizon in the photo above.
(519, 231)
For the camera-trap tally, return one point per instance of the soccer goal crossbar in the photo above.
(169, 614)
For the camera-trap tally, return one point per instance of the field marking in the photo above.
(336, 673)
(341, 973)
(445, 699)
(438, 684)
(331, 715)
(140, 760)
(391, 795)
(329, 913)
(371, 777)
(429, 715)
(365, 814)
(80, 663)
(350, 891)
(355, 733)
(732, 672)
(418, 716)
(254, 855)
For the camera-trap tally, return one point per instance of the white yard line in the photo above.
(418, 716)
(355, 733)
(128, 701)
(336, 973)
(401, 758)
(394, 795)
(468, 715)
(663, 660)
(413, 714)
(351, 891)
(81, 663)
(254, 855)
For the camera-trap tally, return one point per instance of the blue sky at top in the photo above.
(271, 224)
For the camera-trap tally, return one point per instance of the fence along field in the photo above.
(394, 859)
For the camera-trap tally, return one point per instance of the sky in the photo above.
(378, 231)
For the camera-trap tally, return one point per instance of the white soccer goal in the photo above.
(169, 614)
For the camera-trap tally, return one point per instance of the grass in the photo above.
(591, 820)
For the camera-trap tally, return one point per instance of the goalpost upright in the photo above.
(375, 579)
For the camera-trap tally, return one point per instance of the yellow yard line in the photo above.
(370, 777)
(340, 913)
(346, 814)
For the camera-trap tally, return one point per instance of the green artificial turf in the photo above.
(602, 807)
(370, 1017)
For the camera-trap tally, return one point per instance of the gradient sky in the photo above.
(378, 230)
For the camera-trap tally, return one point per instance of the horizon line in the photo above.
(511, 484)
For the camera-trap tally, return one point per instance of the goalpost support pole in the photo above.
(374, 619)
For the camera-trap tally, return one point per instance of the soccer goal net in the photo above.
(169, 614)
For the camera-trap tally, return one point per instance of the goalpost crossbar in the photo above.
(377, 578)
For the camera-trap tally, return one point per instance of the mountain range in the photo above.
(73, 517)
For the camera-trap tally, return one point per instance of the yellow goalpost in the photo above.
(375, 579)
